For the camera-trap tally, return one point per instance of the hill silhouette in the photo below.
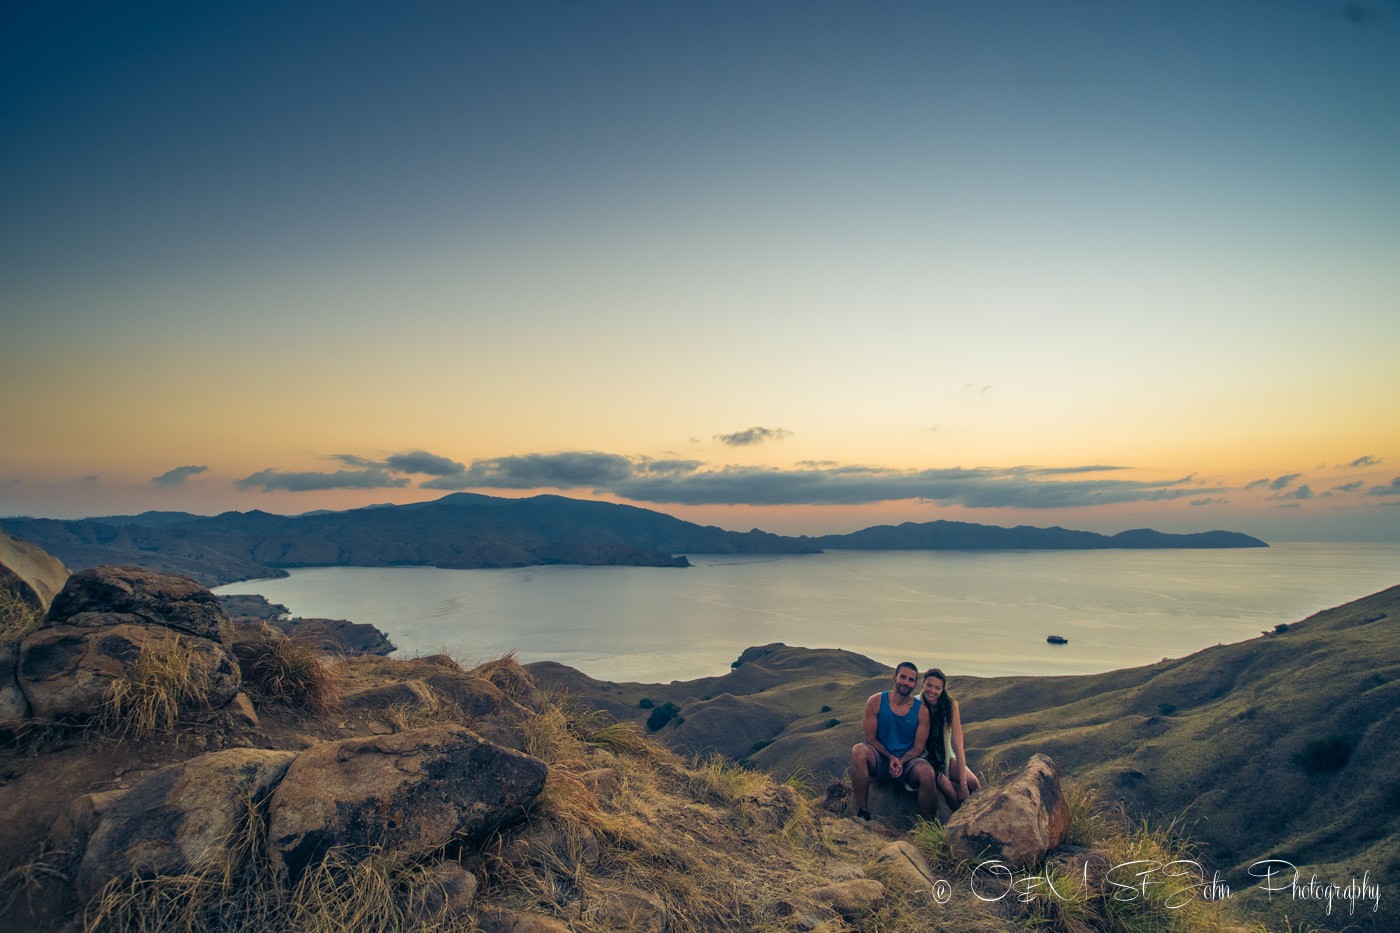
(465, 530)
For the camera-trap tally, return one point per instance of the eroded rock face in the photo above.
(14, 707)
(66, 671)
(407, 793)
(105, 596)
(30, 572)
(1016, 822)
(183, 818)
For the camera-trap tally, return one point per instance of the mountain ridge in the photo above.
(469, 531)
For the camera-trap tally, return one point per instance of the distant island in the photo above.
(465, 530)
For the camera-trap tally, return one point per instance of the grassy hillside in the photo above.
(1279, 747)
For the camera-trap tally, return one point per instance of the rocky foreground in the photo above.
(167, 769)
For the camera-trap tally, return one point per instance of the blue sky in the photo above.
(1017, 240)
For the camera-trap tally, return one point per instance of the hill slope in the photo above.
(1282, 746)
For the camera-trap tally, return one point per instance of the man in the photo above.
(896, 727)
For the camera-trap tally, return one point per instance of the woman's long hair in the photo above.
(942, 711)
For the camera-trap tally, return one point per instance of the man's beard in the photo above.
(903, 689)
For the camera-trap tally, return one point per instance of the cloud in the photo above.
(420, 461)
(178, 475)
(1390, 489)
(355, 461)
(1283, 481)
(371, 478)
(1366, 461)
(569, 470)
(693, 482)
(1256, 484)
(413, 461)
(1347, 487)
(1302, 492)
(753, 436)
(1210, 500)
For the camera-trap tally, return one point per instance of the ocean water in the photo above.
(971, 613)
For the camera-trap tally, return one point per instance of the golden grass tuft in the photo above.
(18, 618)
(289, 670)
(1089, 821)
(718, 775)
(149, 696)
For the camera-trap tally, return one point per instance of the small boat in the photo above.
(1057, 639)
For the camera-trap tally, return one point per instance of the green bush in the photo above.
(832, 722)
(1166, 709)
(826, 709)
(645, 703)
(1323, 756)
(662, 715)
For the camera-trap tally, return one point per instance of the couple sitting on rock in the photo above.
(914, 739)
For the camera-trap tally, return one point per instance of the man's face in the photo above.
(904, 680)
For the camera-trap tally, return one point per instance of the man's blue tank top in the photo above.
(897, 733)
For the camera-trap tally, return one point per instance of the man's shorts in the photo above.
(882, 770)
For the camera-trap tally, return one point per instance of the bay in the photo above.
(969, 612)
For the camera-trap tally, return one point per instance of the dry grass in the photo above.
(149, 697)
(17, 617)
(289, 670)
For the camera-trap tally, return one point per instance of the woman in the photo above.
(945, 741)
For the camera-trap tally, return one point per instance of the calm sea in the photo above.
(968, 612)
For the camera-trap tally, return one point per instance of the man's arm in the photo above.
(870, 722)
(920, 736)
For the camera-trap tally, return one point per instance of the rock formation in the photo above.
(1017, 821)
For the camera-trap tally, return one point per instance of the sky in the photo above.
(803, 266)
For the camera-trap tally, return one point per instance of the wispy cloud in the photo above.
(1390, 489)
(1283, 482)
(1345, 487)
(178, 475)
(753, 436)
(1302, 492)
(1366, 461)
(1209, 500)
(370, 478)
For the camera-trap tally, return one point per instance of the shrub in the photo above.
(1323, 756)
(831, 723)
(290, 670)
(826, 709)
(1166, 709)
(17, 617)
(761, 744)
(645, 703)
(1280, 628)
(148, 697)
(662, 715)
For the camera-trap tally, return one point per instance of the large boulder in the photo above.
(66, 672)
(488, 711)
(105, 596)
(186, 818)
(1016, 822)
(32, 574)
(407, 793)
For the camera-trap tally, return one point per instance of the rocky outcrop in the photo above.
(103, 624)
(30, 572)
(67, 672)
(185, 818)
(408, 794)
(1016, 822)
(106, 596)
